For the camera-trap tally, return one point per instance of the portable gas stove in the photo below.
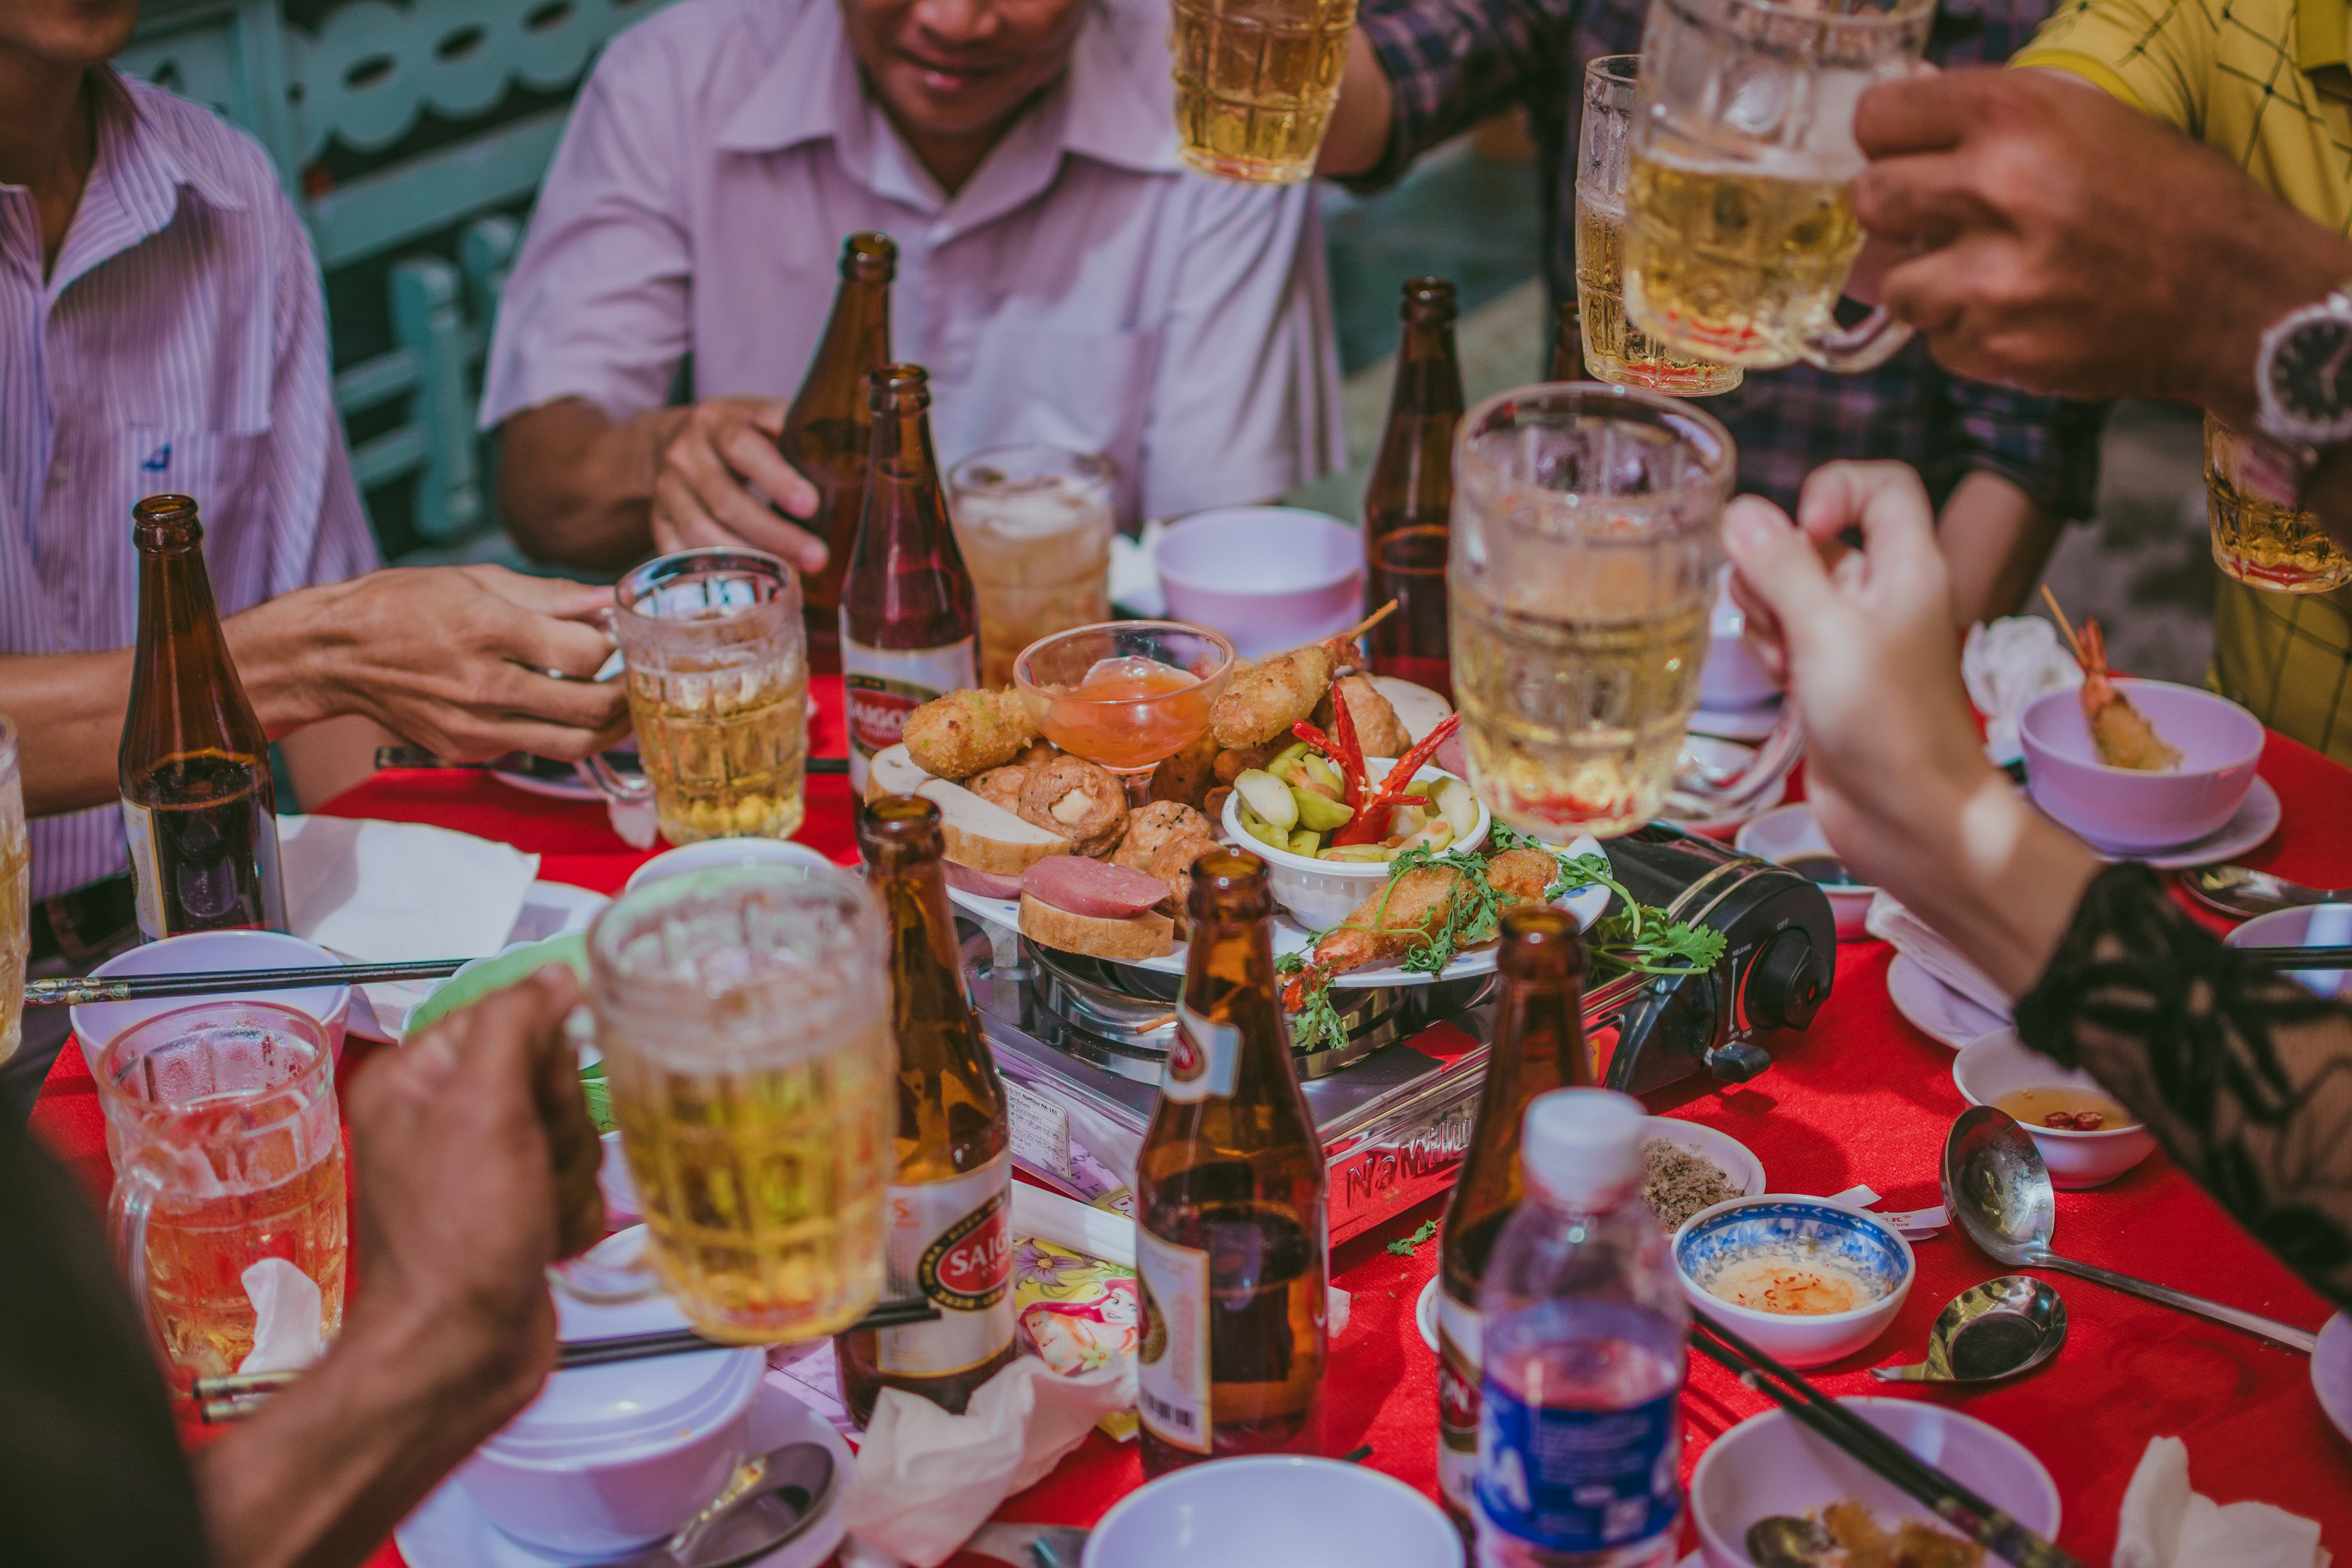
(1081, 1040)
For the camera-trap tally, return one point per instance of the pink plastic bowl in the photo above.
(1269, 577)
(2120, 810)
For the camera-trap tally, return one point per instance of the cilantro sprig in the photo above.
(1407, 1245)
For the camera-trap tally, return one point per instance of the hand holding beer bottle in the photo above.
(948, 1217)
(1230, 1235)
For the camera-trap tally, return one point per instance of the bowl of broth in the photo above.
(1789, 836)
(2085, 1135)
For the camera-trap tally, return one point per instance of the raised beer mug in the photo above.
(717, 664)
(1740, 228)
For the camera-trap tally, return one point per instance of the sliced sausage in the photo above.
(1096, 887)
(987, 884)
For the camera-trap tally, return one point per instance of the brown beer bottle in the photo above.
(947, 1232)
(910, 624)
(1411, 494)
(830, 426)
(198, 807)
(1539, 1046)
(1230, 1235)
(1568, 343)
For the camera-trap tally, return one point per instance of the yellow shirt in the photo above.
(2264, 82)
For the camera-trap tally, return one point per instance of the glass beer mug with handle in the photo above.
(1741, 227)
(717, 672)
(744, 1016)
(227, 1152)
(1255, 84)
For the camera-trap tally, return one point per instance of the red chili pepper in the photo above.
(1352, 763)
(1372, 819)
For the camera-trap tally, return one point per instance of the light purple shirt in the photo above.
(1080, 289)
(178, 344)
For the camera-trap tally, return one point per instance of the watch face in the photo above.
(2311, 371)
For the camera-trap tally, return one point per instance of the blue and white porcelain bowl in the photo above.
(1847, 1240)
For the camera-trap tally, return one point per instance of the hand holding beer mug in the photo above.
(744, 1018)
(1587, 531)
(1256, 83)
(1615, 350)
(1741, 223)
(717, 675)
(2260, 542)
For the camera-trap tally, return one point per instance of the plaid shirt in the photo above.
(1455, 62)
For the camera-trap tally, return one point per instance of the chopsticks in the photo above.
(2303, 957)
(76, 990)
(418, 757)
(1954, 1504)
(240, 1394)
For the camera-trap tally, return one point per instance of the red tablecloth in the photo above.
(1862, 1098)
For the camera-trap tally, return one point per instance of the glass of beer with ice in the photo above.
(1034, 524)
(228, 1153)
(1586, 533)
(1615, 350)
(744, 1016)
(717, 674)
(1739, 225)
(1256, 81)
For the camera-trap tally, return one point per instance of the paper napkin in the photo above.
(2007, 664)
(287, 1306)
(2164, 1524)
(1918, 940)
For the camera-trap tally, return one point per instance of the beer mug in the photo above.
(1034, 524)
(744, 1014)
(1615, 352)
(717, 673)
(1739, 195)
(16, 895)
(1256, 81)
(227, 1152)
(2260, 542)
(1587, 531)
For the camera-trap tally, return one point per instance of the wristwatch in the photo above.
(2302, 384)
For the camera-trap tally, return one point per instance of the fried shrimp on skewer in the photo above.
(1409, 909)
(2122, 733)
(1265, 699)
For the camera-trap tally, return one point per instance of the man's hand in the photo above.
(2064, 242)
(453, 658)
(704, 468)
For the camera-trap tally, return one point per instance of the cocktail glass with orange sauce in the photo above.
(1126, 695)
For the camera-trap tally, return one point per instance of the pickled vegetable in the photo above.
(1317, 812)
(1271, 799)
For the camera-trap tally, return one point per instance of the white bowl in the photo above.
(1784, 834)
(1996, 1064)
(1773, 1464)
(1729, 1156)
(2123, 810)
(1731, 680)
(1269, 577)
(1273, 1510)
(95, 1023)
(1320, 892)
(611, 1458)
(1865, 1241)
(2318, 925)
(712, 853)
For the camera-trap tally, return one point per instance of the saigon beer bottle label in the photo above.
(1204, 1059)
(952, 1242)
(1458, 1338)
(1171, 1382)
(879, 687)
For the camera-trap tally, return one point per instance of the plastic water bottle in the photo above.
(1579, 1432)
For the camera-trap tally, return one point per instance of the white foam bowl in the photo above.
(1788, 832)
(1993, 1065)
(1773, 1464)
(1319, 893)
(1269, 577)
(1273, 1510)
(710, 854)
(95, 1023)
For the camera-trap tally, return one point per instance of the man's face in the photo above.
(951, 67)
(80, 33)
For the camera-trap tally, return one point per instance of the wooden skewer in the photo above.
(2063, 625)
(1367, 624)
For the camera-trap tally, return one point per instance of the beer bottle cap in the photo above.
(1583, 1146)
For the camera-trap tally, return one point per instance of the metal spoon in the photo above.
(2241, 892)
(1998, 1189)
(768, 1500)
(1780, 1540)
(1995, 1330)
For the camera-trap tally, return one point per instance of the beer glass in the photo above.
(1256, 80)
(1587, 531)
(2256, 539)
(227, 1151)
(1034, 525)
(717, 674)
(1739, 193)
(1615, 352)
(744, 1014)
(16, 895)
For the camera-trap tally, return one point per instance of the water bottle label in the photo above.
(1577, 1481)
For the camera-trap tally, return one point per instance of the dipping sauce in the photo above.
(1827, 871)
(1126, 713)
(2063, 1107)
(1795, 1278)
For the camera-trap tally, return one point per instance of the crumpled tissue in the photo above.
(2164, 1524)
(286, 1303)
(2006, 665)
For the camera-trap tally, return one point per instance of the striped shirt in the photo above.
(179, 344)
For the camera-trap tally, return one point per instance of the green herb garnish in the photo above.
(1406, 1246)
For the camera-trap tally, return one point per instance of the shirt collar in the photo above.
(143, 164)
(2319, 34)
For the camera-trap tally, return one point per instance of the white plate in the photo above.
(2331, 1372)
(1736, 724)
(1934, 1008)
(448, 1532)
(549, 908)
(1728, 1153)
(563, 786)
(2256, 820)
(1424, 1312)
(1755, 809)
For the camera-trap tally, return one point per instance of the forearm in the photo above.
(1994, 876)
(1996, 541)
(2268, 259)
(576, 487)
(1361, 118)
(1422, 73)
